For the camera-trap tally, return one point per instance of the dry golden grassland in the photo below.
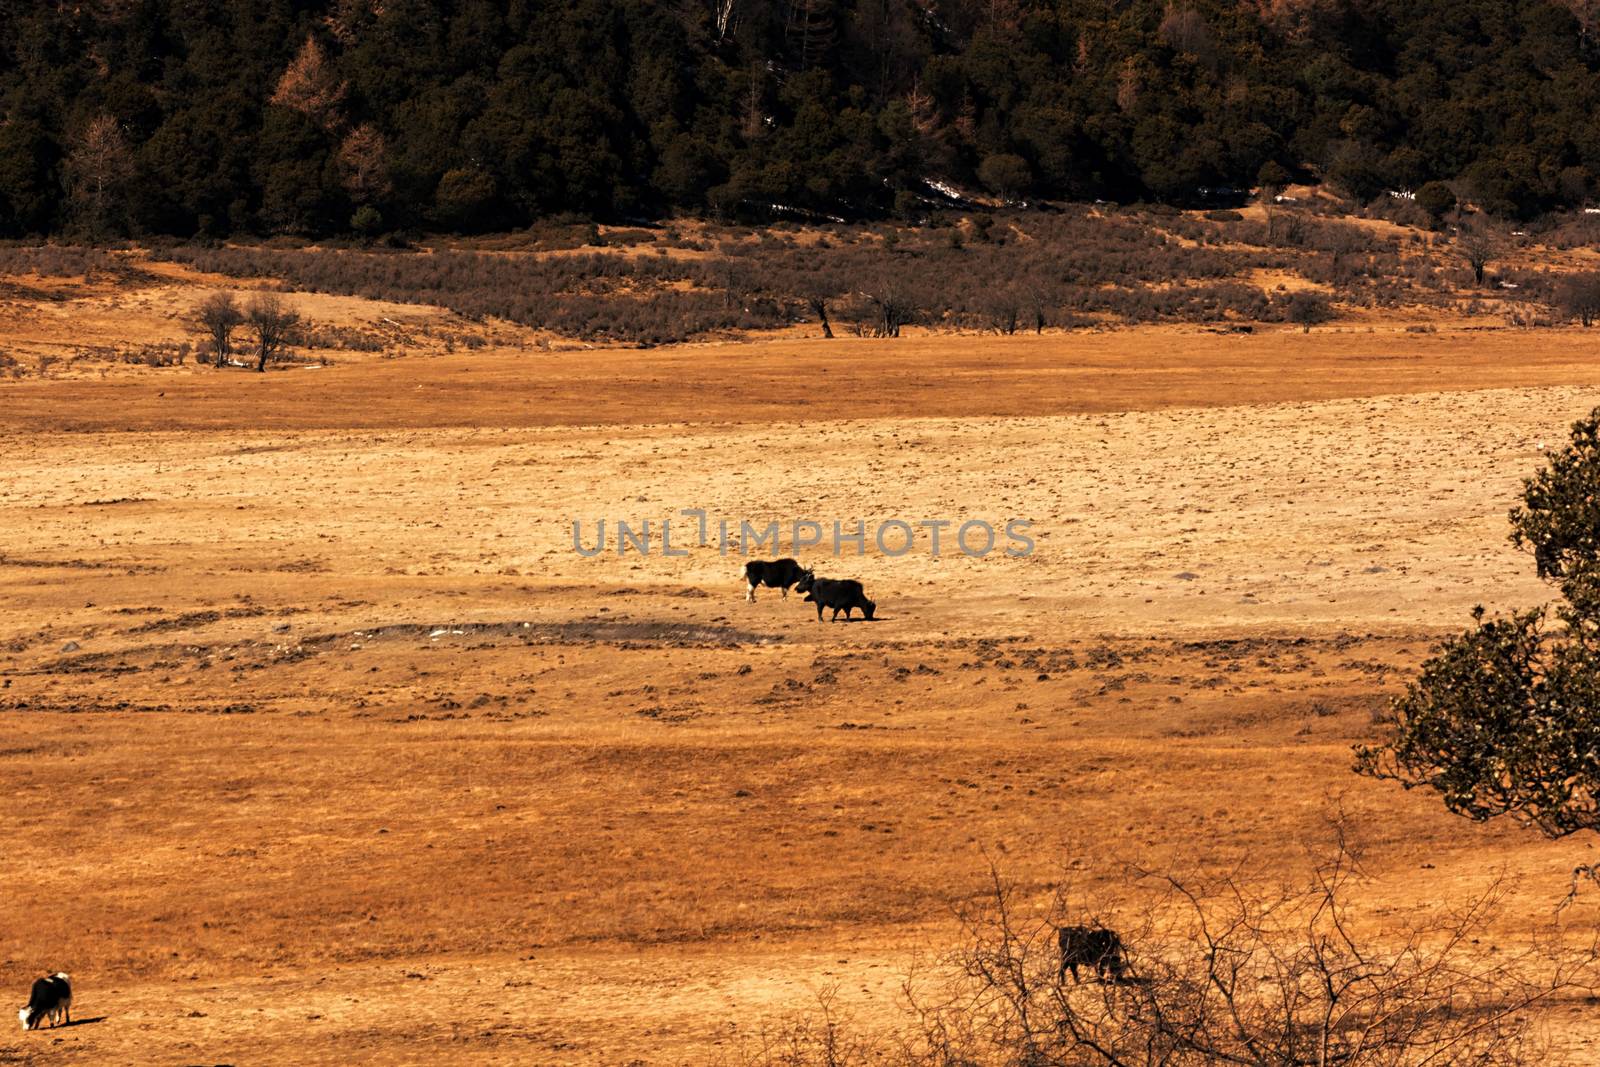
(265, 811)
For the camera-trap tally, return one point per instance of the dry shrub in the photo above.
(1220, 971)
(156, 354)
(342, 338)
(69, 261)
(959, 272)
(762, 281)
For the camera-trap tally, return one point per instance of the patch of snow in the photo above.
(788, 209)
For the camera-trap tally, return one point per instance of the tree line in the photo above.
(321, 117)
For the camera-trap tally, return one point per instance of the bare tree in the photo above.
(1271, 180)
(826, 1036)
(1184, 30)
(809, 31)
(1477, 248)
(1587, 12)
(1288, 228)
(362, 164)
(219, 316)
(1578, 297)
(819, 308)
(724, 18)
(99, 164)
(891, 311)
(271, 320)
(1039, 308)
(1003, 309)
(753, 115)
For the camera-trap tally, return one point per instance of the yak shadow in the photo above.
(78, 1022)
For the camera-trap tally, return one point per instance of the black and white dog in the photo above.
(51, 999)
(775, 574)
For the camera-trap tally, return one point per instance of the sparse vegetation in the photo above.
(1219, 970)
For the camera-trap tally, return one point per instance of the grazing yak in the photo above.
(843, 594)
(773, 573)
(51, 999)
(1091, 946)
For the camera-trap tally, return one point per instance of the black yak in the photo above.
(840, 594)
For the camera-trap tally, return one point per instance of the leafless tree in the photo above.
(362, 165)
(1039, 308)
(735, 285)
(1004, 311)
(1578, 296)
(809, 30)
(219, 316)
(724, 18)
(891, 311)
(753, 115)
(1184, 30)
(271, 320)
(1478, 249)
(826, 1036)
(1288, 228)
(819, 308)
(99, 164)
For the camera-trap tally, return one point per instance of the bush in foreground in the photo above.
(1219, 971)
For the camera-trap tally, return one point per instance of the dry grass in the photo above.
(263, 791)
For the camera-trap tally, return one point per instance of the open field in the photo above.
(323, 745)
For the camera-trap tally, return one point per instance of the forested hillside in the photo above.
(272, 116)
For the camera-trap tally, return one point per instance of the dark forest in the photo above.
(361, 117)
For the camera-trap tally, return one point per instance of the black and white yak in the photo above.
(51, 999)
(774, 574)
